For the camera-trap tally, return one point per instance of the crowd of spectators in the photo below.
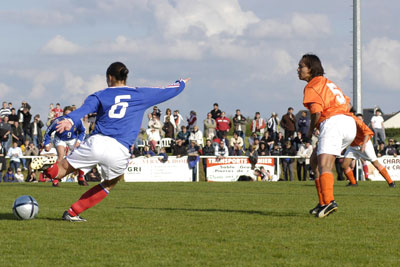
(21, 135)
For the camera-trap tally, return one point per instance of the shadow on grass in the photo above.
(250, 212)
(11, 217)
(7, 216)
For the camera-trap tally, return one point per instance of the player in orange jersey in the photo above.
(362, 148)
(329, 109)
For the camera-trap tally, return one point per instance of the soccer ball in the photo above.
(25, 208)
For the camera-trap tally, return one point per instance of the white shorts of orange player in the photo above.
(103, 150)
(336, 133)
(70, 143)
(354, 152)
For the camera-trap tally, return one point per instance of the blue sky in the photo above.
(239, 53)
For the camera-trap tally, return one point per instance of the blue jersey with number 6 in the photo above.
(120, 110)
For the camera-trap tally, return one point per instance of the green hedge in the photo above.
(393, 133)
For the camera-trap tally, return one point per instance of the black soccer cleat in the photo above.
(316, 209)
(393, 185)
(327, 209)
(83, 183)
(350, 184)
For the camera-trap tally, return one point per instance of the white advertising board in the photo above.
(144, 169)
(392, 165)
(230, 169)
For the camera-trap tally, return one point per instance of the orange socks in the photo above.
(319, 191)
(327, 180)
(385, 174)
(349, 174)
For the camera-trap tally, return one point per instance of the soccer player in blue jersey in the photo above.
(66, 141)
(120, 112)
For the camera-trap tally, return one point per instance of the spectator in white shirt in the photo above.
(305, 151)
(221, 150)
(197, 136)
(15, 154)
(378, 127)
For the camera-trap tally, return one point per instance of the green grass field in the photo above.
(204, 224)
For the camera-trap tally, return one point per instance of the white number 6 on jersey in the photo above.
(118, 103)
(339, 95)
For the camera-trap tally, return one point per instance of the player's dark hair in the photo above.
(314, 64)
(68, 108)
(118, 70)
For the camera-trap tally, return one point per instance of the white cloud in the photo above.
(381, 58)
(284, 62)
(212, 17)
(60, 46)
(299, 25)
(4, 89)
(76, 89)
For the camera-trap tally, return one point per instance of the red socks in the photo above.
(89, 199)
(365, 169)
(81, 176)
(52, 171)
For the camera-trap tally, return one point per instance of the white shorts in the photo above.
(354, 152)
(111, 155)
(336, 133)
(69, 143)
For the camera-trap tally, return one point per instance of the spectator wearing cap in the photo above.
(303, 123)
(378, 127)
(215, 112)
(258, 125)
(391, 149)
(157, 112)
(210, 126)
(192, 120)
(239, 124)
(272, 125)
(221, 150)
(223, 125)
(288, 123)
(303, 163)
(5, 111)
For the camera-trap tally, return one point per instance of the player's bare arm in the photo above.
(313, 123)
(63, 125)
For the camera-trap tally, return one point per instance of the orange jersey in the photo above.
(322, 95)
(362, 131)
